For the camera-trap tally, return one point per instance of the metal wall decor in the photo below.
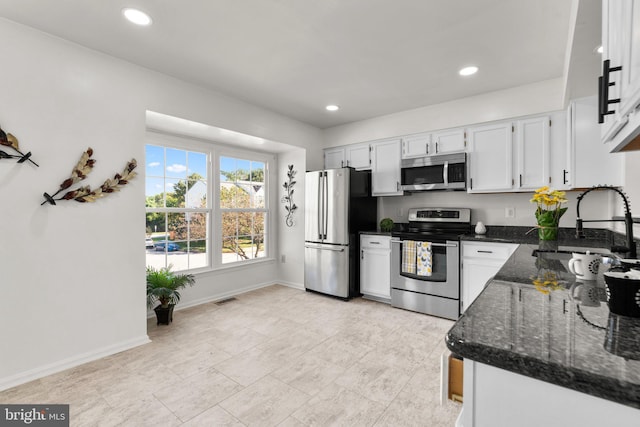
(290, 207)
(9, 140)
(85, 194)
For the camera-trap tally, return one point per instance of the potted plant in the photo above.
(163, 286)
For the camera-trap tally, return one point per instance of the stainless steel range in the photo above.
(425, 261)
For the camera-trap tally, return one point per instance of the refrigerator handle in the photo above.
(325, 214)
(320, 206)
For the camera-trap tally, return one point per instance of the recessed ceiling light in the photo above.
(332, 108)
(136, 16)
(599, 49)
(467, 71)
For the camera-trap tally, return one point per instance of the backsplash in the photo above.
(490, 208)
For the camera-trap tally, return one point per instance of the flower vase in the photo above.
(548, 232)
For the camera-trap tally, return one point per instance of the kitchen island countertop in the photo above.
(536, 319)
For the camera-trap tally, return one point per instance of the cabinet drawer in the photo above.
(370, 241)
(494, 251)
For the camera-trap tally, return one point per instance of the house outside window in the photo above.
(204, 209)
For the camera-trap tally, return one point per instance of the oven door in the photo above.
(444, 280)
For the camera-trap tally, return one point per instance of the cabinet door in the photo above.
(416, 146)
(480, 262)
(560, 161)
(385, 168)
(592, 164)
(533, 153)
(476, 273)
(375, 266)
(449, 141)
(358, 156)
(630, 73)
(334, 158)
(612, 49)
(490, 157)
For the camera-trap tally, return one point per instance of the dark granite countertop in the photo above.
(562, 333)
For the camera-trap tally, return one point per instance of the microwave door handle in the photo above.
(445, 173)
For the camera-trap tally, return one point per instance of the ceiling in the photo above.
(370, 57)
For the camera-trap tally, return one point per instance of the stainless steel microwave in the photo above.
(438, 172)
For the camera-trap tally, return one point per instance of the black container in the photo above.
(164, 315)
(623, 293)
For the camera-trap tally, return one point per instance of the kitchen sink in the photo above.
(564, 252)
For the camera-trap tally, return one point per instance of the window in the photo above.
(205, 209)
(242, 208)
(178, 211)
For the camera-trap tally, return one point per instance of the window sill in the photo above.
(232, 266)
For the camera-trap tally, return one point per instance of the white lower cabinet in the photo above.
(480, 262)
(495, 397)
(375, 266)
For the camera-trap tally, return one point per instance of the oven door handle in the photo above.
(447, 245)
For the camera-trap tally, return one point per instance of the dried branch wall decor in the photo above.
(290, 207)
(84, 194)
(9, 140)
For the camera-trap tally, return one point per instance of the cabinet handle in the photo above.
(564, 176)
(436, 147)
(603, 90)
(362, 254)
(471, 183)
(484, 252)
(341, 163)
(427, 148)
(397, 186)
(520, 180)
(374, 243)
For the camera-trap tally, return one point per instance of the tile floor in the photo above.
(276, 356)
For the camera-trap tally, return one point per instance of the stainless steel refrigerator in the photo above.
(338, 205)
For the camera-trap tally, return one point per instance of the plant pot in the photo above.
(164, 315)
(548, 233)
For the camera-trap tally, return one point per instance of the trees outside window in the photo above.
(242, 208)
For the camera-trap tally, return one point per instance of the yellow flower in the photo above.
(542, 189)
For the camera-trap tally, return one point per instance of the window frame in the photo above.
(214, 152)
(218, 211)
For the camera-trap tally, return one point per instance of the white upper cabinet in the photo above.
(417, 146)
(490, 157)
(560, 167)
(440, 142)
(449, 141)
(358, 156)
(532, 147)
(334, 158)
(590, 162)
(385, 168)
(621, 47)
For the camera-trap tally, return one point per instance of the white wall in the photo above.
(73, 274)
(535, 98)
(291, 239)
(490, 208)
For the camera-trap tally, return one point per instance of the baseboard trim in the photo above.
(71, 362)
(225, 295)
(298, 286)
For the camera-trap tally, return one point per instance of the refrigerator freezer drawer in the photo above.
(326, 269)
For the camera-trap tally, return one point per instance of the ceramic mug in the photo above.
(585, 266)
(587, 293)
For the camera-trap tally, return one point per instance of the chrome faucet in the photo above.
(628, 220)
